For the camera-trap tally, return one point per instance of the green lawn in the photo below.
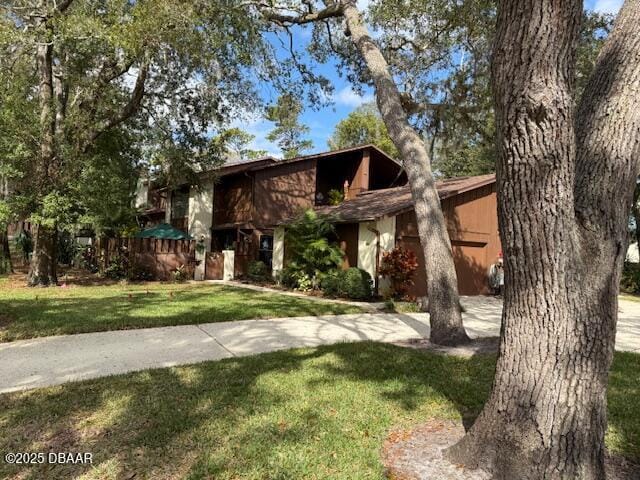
(28, 312)
(309, 413)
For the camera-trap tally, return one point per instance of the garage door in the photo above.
(471, 267)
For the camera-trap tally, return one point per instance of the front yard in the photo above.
(36, 312)
(311, 413)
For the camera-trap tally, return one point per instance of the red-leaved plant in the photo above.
(399, 266)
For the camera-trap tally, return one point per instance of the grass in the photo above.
(318, 413)
(28, 312)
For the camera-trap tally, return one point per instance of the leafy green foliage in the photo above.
(362, 126)
(336, 197)
(309, 250)
(257, 271)
(630, 280)
(288, 132)
(353, 283)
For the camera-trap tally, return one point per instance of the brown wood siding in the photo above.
(472, 221)
(348, 240)
(282, 192)
(232, 200)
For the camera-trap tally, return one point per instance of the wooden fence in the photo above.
(158, 257)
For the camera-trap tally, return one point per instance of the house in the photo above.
(375, 221)
(239, 213)
(236, 208)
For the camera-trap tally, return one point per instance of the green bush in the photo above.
(257, 271)
(630, 281)
(353, 283)
(292, 276)
(286, 277)
(118, 267)
(356, 284)
(330, 284)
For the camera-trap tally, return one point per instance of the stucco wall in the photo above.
(278, 250)
(200, 218)
(387, 228)
(367, 247)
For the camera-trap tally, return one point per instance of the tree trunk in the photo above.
(565, 185)
(5, 254)
(44, 261)
(442, 283)
(42, 270)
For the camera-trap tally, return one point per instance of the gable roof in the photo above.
(376, 204)
(330, 153)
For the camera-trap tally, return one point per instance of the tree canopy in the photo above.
(288, 132)
(363, 125)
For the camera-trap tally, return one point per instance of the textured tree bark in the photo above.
(442, 282)
(565, 184)
(5, 254)
(42, 270)
(44, 261)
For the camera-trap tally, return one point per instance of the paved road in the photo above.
(54, 360)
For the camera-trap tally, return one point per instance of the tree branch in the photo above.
(608, 129)
(132, 106)
(332, 10)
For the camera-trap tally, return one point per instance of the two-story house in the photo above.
(242, 209)
(236, 207)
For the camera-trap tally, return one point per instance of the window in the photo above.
(265, 250)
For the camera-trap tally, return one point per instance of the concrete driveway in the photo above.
(54, 360)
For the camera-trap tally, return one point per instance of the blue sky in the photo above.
(345, 99)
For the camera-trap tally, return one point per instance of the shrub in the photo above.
(310, 252)
(399, 266)
(630, 280)
(287, 277)
(336, 197)
(118, 267)
(257, 271)
(88, 259)
(180, 274)
(140, 273)
(330, 284)
(356, 284)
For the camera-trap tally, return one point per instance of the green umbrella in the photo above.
(163, 230)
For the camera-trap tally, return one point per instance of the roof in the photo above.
(376, 204)
(165, 231)
(330, 153)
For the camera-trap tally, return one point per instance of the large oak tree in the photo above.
(103, 72)
(444, 305)
(566, 177)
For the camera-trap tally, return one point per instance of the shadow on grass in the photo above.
(53, 312)
(320, 413)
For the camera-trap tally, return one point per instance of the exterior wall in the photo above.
(347, 234)
(278, 251)
(167, 211)
(283, 191)
(369, 252)
(387, 228)
(360, 181)
(367, 246)
(228, 270)
(233, 200)
(472, 222)
(199, 223)
(142, 194)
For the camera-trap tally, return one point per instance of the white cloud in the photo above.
(607, 6)
(348, 97)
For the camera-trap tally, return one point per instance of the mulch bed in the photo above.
(417, 455)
